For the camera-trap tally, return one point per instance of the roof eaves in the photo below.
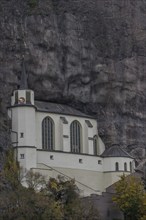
(53, 112)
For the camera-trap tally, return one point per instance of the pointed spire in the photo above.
(24, 77)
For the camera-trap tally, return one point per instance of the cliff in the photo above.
(89, 54)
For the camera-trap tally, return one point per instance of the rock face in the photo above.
(89, 54)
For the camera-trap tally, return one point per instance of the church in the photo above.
(56, 139)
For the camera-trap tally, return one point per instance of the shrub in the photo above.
(32, 3)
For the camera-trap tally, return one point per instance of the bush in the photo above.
(32, 3)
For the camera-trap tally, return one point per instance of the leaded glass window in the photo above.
(48, 134)
(75, 137)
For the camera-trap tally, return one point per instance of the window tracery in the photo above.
(75, 137)
(47, 134)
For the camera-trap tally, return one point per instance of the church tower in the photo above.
(22, 114)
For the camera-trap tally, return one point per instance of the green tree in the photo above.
(57, 199)
(21, 203)
(67, 194)
(129, 197)
(10, 174)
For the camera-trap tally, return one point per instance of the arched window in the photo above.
(125, 166)
(117, 166)
(75, 137)
(130, 167)
(95, 145)
(47, 134)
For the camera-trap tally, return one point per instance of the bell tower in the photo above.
(22, 114)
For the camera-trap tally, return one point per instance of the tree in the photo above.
(21, 203)
(129, 197)
(35, 180)
(57, 199)
(67, 194)
(10, 174)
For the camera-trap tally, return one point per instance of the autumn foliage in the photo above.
(130, 197)
(56, 199)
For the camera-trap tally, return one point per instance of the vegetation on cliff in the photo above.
(56, 199)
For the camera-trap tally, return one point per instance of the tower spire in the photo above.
(24, 77)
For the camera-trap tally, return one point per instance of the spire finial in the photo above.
(24, 77)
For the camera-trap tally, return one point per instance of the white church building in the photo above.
(55, 139)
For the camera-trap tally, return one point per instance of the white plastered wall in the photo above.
(110, 174)
(65, 136)
(29, 159)
(23, 128)
(24, 122)
(82, 178)
(84, 169)
(73, 161)
(109, 163)
(65, 131)
(111, 177)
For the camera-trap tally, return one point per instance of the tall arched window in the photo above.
(75, 137)
(125, 166)
(117, 166)
(95, 145)
(130, 166)
(47, 134)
